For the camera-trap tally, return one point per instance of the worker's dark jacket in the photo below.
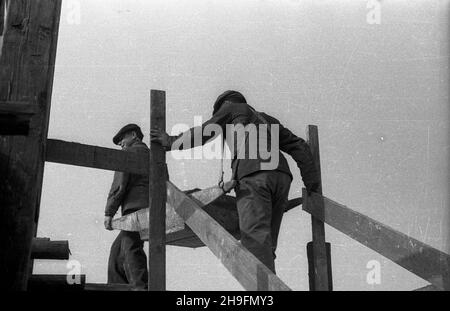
(128, 190)
(241, 113)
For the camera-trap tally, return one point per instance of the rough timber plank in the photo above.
(27, 58)
(157, 193)
(417, 257)
(244, 266)
(321, 278)
(59, 151)
(44, 248)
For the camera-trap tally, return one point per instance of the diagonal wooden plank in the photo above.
(59, 151)
(411, 254)
(244, 266)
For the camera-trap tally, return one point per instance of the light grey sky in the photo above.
(378, 92)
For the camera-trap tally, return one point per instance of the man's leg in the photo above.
(116, 271)
(280, 184)
(135, 262)
(254, 205)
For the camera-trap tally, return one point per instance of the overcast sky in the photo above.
(378, 92)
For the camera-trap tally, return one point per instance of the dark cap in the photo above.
(126, 129)
(233, 96)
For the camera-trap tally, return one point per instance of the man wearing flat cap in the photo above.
(261, 191)
(127, 260)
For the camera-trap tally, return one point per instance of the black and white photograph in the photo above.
(205, 148)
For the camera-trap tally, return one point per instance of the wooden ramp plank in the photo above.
(411, 254)
(244, 266)
(222, 209)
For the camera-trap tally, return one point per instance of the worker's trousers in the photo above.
(127, 261)
(261, 200)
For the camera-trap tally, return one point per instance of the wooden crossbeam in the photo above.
(244, 266)
(44, 248)
(411, 254)
(59, 151)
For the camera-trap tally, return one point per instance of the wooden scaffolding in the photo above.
(29, 31)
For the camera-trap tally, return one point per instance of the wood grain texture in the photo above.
(244, 266)
(157, 199)
(27, 59)
(44, 248)
(321, 276)
(417, 257)
(59, 151)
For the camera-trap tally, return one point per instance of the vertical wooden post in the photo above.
(158, 197)
(320, 279)
(27, 58)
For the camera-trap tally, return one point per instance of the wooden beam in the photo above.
(417, 257)
(71, 153)
(27, 59)
(44, 248)
(158, 193)
(251, 273)
(54, 282)
(321, 280)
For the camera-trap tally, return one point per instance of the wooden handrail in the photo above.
(411, 254)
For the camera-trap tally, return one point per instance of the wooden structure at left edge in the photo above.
(29, 32)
